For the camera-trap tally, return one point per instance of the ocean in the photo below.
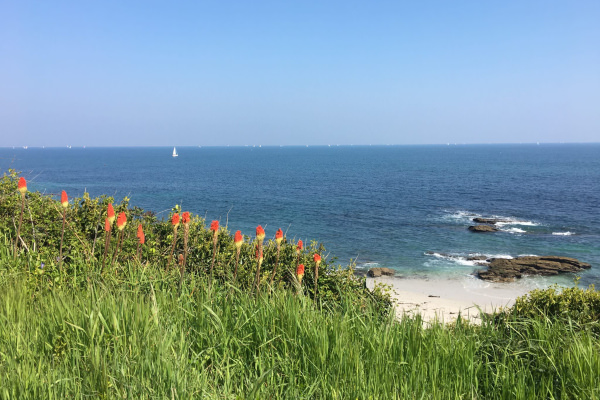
(402, 207)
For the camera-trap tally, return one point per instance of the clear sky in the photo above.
(123, 73)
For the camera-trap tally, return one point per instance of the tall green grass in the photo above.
(129, 334)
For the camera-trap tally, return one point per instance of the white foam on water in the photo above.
(567, 233)
(513, 230)
(511, 221)
(460, 215)
(507, 256)
(462, 259)
(367, 265)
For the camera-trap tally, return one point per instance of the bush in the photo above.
(581, 306)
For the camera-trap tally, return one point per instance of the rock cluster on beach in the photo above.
(507, 270)
(378, 271)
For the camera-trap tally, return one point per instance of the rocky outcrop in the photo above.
(377, 272)
(491, 221)
(507, 270)
(482, 228)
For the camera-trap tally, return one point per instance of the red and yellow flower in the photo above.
(299, 247)
(279, 236)
(214, 226)
(300, 272)
(121, 221)
(64, 199)
(260, 233)
(175, 220)
(140, 234)
(238, 239)
(185, 217)
(110, 213)
(317, 259)
(107, 224)
(22, 186)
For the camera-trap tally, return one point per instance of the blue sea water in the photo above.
(377, 205)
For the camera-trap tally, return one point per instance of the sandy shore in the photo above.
(444, 299)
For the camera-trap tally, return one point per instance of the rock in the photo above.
(491, 221)
(507, 270)
(477, 258)
(482, 228)
(378, 271)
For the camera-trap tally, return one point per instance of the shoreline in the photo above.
(445, 299)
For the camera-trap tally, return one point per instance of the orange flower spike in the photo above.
(121, 221)
(238, 239)
(22, 186)
(175, 220)
(299, 247)
(214, 226)
(64, 199)
(185, 217)
(107, 225)
(317, 259)
(111, 213)
(140, 234)
(300, 272)
(260, 233)
(279, 236)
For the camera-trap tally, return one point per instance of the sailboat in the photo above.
(175, 152)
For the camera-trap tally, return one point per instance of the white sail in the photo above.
(174, 152)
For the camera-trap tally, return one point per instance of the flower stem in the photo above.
(19, 227)
(276, 264)
(185, 250)
(106, 245)
(172, 248)
(62, 235)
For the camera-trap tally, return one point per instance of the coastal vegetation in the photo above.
(141, 311)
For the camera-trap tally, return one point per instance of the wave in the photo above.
(567, 233)
(367, 265)
(467, 217)
(471, 259)
(514, 221)
(514, 230)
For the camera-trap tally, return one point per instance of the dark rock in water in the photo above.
(491, 221)
(477, 258)
(506, 270)
(377, 272)
(482, 228)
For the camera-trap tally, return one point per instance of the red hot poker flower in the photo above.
(300, 272)
(22, 186)
(299, 247)
(175, 220)
(260, 233)
(121, 221)
(185, 217)
(111, 213)
(140, 234)
(238, 239)
(107, 225)
(214, 226)
(317, 259)
(279, 236)
(64, 199)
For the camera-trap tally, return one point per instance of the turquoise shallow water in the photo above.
(380, 205)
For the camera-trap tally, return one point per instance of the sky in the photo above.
(157, 73)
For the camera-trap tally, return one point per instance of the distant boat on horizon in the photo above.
(175, 152)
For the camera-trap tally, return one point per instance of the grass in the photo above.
(129, 334)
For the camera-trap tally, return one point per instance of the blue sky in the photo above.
(121, 73)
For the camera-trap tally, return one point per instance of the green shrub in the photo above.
(581, 306)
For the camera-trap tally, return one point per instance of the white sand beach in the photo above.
(444, 299)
